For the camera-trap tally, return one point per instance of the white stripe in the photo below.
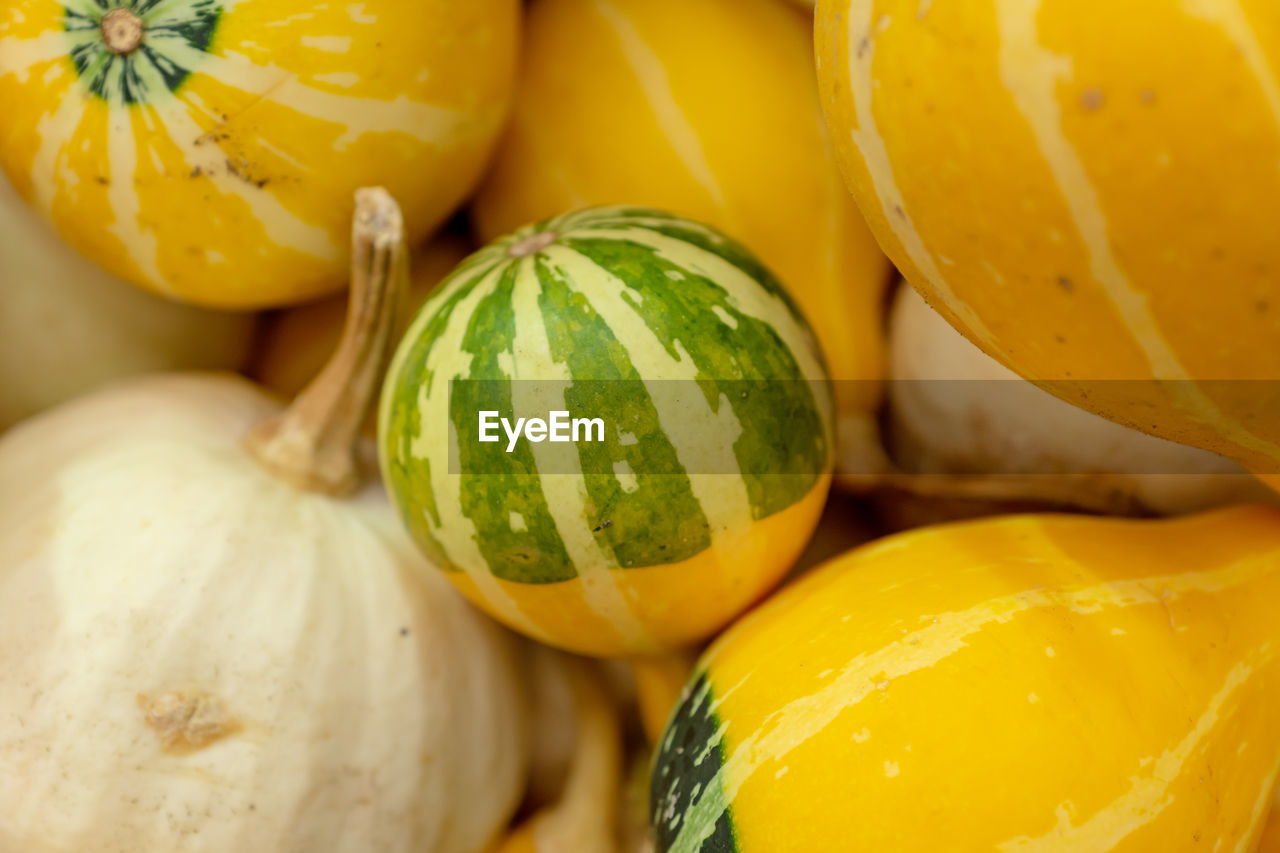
(866, 136)
(565, 490)
(702, 438)
(1148, 793)
(1228, 15)
(457, 533)
(1033, 75)
(1266, 794)
(18, 55)
(674, 124)
(356, 116)
(55, 128)
(282, 226)
(122, 153)
(744, 293)
(944, 634)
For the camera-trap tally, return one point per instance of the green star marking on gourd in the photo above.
(173, 35)
(609, 303)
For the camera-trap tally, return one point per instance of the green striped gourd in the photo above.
(1020, 683)
(692, 506)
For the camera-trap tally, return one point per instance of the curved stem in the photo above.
(312, 444)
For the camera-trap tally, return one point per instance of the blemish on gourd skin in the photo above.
(1092, 99)
(187, 720)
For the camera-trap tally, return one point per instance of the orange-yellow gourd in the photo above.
(208, 150)
(707, 108)
(1052, 683)
(1087, 189)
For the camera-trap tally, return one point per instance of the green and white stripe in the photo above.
(612, 293)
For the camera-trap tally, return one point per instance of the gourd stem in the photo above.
(121, 31)
(313, 443)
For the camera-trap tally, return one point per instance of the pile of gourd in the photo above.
(982, 560)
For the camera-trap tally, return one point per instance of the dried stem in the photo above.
(121, 31)
(312, 444)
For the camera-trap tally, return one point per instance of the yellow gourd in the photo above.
(67, 326)
(707, 108)
(1052, 683)
(296, 342)
(208, 150)
(1087, 189)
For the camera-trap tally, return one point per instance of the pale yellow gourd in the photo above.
(214, 639)
(583, 818)
(67, 326)
(955, 411)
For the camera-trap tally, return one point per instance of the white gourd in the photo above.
(212, 644)
(955, 410)
(67, 326)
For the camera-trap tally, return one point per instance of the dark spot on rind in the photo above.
(1092, 99)
(1066, 283)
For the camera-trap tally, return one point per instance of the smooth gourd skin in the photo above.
(227, 179)
(1087, 189)
(955, 409)
(718, 433)
(67, 326)
(362, 704)
(1020, 683)
(707, 108)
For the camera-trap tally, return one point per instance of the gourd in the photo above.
(1080, 209)
(701, 484)
(707, 108)
(212, 642)
(1044, 682)
(584, 817)
(66, 326)
(207, 150)
(957, 412)
(296, 341)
